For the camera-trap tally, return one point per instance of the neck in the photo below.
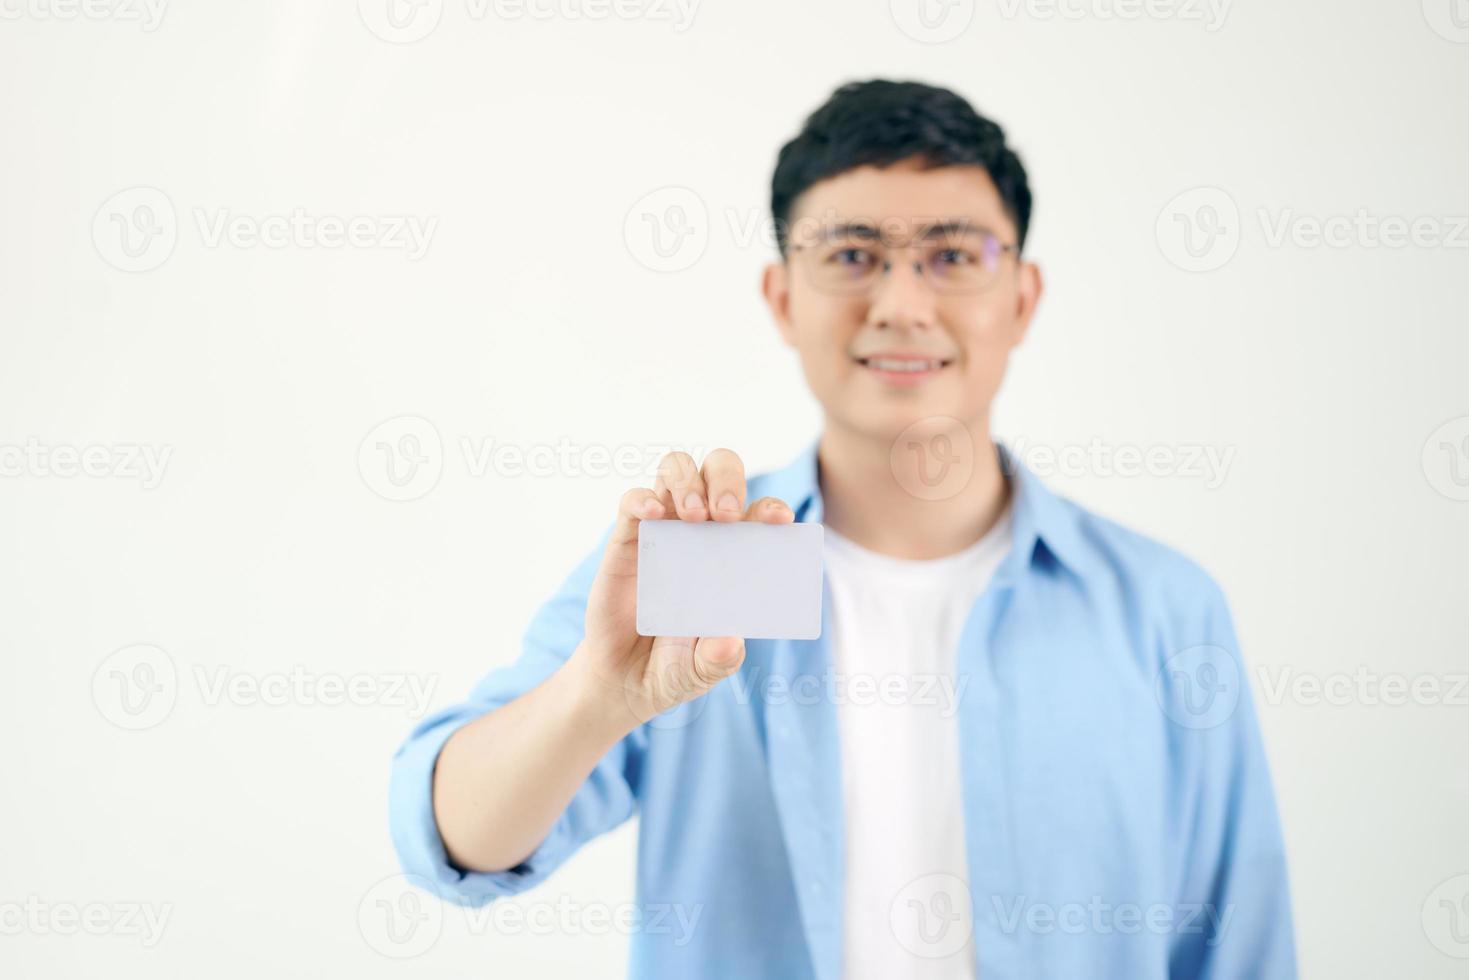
(932, 498)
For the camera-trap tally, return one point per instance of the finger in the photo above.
(770, 510)
(637, 505)
(670, 676)
(680, 478)
(724, 478)
(717, 657)
(664, 493)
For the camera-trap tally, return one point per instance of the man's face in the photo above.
(917, 307)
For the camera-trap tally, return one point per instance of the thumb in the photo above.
(716, 657)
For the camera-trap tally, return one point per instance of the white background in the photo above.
(537, 314)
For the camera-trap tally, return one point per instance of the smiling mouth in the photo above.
(905, 365)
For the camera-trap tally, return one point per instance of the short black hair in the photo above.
(881, 122)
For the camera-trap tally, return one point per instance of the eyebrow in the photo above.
(860, 229)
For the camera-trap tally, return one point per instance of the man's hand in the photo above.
(649, 675)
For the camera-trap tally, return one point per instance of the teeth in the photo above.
(883, 364)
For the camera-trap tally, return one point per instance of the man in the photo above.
(1023, 745)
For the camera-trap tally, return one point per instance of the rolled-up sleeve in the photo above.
(604, 800)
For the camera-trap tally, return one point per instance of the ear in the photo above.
(775, 284)
(1029, 286)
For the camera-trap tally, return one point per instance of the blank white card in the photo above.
(748, 579)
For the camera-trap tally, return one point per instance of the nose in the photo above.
(902, 297)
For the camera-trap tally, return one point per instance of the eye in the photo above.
(851, 257)
(955, 256)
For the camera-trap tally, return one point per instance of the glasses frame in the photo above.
(868, 234)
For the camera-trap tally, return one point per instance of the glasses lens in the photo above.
(964, 263)
(845, 265)
(957, 262)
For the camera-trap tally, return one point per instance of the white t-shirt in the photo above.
(894, 637)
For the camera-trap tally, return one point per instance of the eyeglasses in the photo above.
(952, 258)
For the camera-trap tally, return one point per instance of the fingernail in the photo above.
(692, 501)
(729, 502)
(650, 506)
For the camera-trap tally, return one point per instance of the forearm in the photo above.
(502, 780)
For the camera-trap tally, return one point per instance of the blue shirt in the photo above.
(1119, 815)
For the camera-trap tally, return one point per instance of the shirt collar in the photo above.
(1042, 521)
